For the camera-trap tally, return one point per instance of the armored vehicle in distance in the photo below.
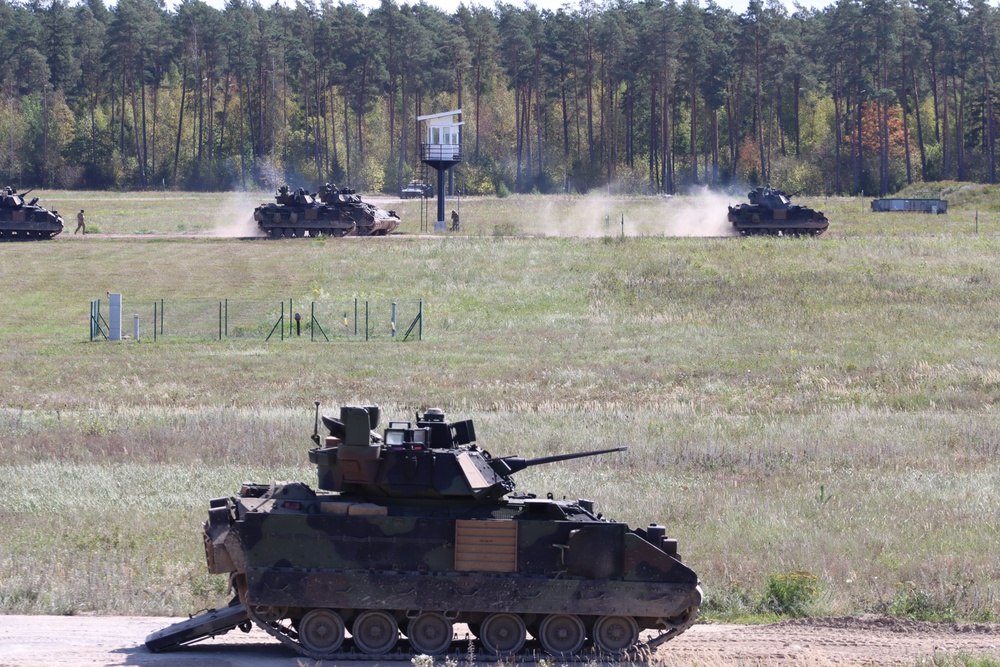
(418, 528)
(415, 190)
(330, 212)
(771, 212)
(20, 221)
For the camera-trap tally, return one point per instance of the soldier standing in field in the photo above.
(454, 221)
(80, 223)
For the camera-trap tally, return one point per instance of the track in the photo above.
(532, 651)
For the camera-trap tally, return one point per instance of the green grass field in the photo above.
(815, 419)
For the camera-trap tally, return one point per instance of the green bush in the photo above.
(917, 604)
(790, 594)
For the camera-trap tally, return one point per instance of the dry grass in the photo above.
(825, 405)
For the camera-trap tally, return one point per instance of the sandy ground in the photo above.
(55, 641)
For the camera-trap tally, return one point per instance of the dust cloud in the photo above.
(699, 213)
(234, 215)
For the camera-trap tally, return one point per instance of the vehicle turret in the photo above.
(429, 459)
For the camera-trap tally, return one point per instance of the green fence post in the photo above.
(366, 320)
(227, 318)
(420, 331)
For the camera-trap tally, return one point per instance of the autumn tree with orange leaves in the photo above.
(871, 139)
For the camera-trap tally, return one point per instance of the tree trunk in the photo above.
(945, 152)
(797, 89)
(694, 126)
(991, 161)
(180, 122)
(920, 129)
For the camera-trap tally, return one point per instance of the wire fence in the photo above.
(247, 319)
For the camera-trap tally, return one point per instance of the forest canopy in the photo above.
(648, 96)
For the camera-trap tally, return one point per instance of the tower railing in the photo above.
(442, 152)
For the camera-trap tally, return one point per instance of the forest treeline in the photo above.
(647, 96)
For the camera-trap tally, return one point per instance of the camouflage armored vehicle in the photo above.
(20, 221)
(330, 212)
(417, 529)
(415, 190)
(771, 212)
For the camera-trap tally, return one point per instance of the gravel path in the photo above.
(84, 641)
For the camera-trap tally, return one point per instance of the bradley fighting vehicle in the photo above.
(771, 212)
(20, 221)
(416, 529)
(415, 190)
(332, 212)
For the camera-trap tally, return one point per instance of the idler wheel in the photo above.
(562, 635)
(615, 634)
(502, 634)
(321, 631)
(430, 633)
(375, 632)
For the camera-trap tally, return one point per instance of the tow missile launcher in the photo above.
(418, 528)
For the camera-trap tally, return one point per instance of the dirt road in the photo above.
(86, 641)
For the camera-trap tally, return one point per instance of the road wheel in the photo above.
(375, 632)
(502, 634)
(562, 635)
(615, 634)
(321, 631)
(430, 633)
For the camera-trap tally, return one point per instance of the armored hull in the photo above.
(20, 221)
(770, 212)
(330, 212)
(418, 530)
(415, 190)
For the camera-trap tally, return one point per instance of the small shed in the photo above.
(911, 205)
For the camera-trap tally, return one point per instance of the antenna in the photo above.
(315, 435)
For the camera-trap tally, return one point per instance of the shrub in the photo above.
(790, 594)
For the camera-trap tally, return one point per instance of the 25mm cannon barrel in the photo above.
(509, 465)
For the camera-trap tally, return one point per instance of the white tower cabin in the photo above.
(442, 149)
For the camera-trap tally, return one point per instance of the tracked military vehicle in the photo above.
(20, 221)
(416, 190)
(418, 528)
(771, 212)
(330, 212)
